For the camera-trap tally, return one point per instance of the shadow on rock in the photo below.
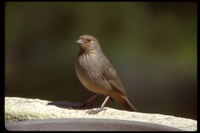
(72, 105)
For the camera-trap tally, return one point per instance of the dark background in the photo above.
(153, 47)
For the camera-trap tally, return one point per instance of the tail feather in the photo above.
(127, 104)
(123, 100)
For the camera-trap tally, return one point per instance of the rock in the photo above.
(21, 109)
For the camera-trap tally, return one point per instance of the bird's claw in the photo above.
(94, 111)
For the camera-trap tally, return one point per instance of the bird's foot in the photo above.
(95, 111)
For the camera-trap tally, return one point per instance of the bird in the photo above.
(98, 75)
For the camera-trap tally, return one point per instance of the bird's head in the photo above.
(88, 43)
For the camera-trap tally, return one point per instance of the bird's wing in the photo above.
(111, 76)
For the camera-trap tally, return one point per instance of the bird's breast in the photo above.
(89, 70)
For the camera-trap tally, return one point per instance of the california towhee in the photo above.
(97, 74)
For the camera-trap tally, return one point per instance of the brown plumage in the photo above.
(97, 74)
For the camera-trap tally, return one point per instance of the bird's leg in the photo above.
(101, 108)
(89, 100)
(104, 103)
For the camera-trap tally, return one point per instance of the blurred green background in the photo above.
(153, 47)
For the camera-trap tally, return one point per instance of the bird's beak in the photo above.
(80, 41)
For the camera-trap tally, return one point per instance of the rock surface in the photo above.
(19, 109)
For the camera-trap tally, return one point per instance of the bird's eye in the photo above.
(89, 40)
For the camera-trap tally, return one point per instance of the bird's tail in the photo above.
(127, 104)
(123, 100)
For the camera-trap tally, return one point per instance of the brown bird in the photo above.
(97, 74)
